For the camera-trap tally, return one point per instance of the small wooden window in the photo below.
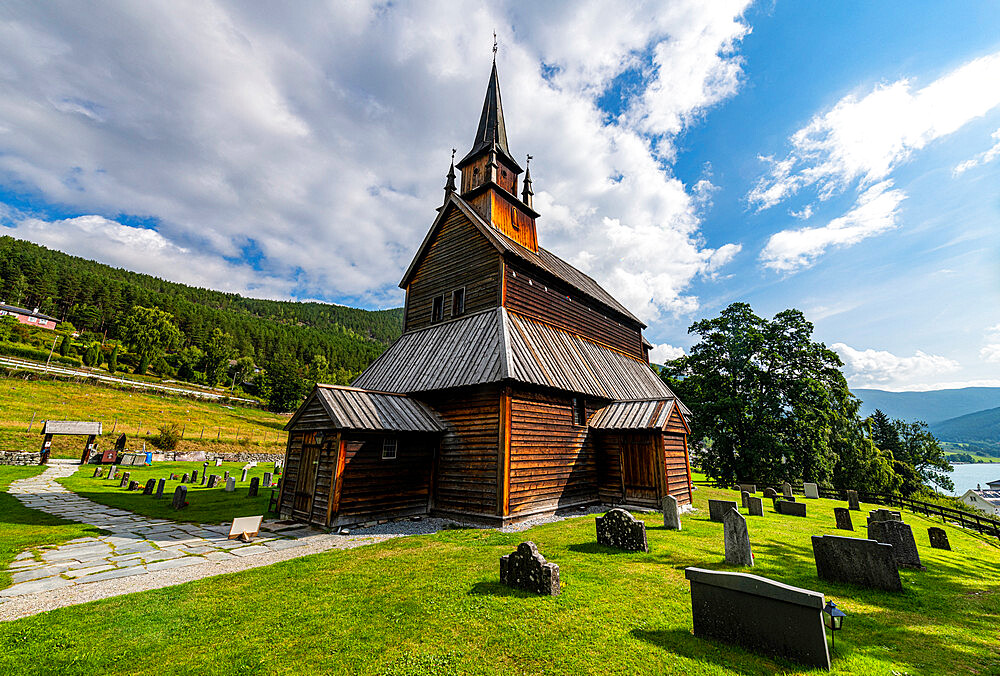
(389, 447)
(458, 302)
(513, 219)
(437, 309)
(579, 411)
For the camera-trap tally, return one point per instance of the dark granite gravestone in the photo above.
(900, 536)
(125, 476)
(759, 614)
(749, 488)
(226, 475)
(770, 493)
(621, 530)
(790, 508)
(671, 513)
(254, 487)
(755, 506)
(213, 480)
(243, 475)
(737, 539)
(150, 485)
(194, 476)
(939, 538)
(862, 562)
(525, 568)
(133, 485)
(884, 515)
(810, 490)
(267, 479)
(790, 498)
(204, 473)
(185, 478)
(786, 489)
(743, 499)
(159, 488)
(180, 497)
(852, 501)
(718, 508)
(843, 517)
(230, 484)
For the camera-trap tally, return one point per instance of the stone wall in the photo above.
(202, 456)
(20, 457)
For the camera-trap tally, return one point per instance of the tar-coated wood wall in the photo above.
(374, 487)
(513, 222)
(552, 460)
(676, 460)
(547, 301)
(466, 469)
(460, 256)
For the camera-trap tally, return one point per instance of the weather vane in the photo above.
(529, 160)
(494, 45)
(453, 155)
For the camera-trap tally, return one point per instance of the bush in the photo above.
(25, 352)
(168, 437)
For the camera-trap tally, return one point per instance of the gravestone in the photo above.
(786, 489)
(125, 476)
(218, 462)
(185, 478)
(150, 485)
(525, 568)
(718, 508)
(112, 471)
(133, 485)
(194, 476)
(856, 561)
(267, 479)
(97, 473)
(180, 497)
(213, 480)
(900, 536)
(939, 538)
(810, 490)
(254, 486)
(852, 501)
(759, 614)
(621, 530)
(755, 506)
(226, 474)
(230, 484)
(204, 472)
(749, 488)
(277, 466)
(790, 498)
(159, 487)
(883, 515)
(737, 539)
(790, 508)
(770, 493)
(743, 499)
(671, 513)
(843, 517)
(243, 476)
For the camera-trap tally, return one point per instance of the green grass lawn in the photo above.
(433, 604)
(22, 528)
(209, 426)
(205, 505)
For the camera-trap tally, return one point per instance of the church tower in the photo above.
(489, 175)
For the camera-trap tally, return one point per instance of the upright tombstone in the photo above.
(150, 485)
(788, 508)
(267, 479)
(718, 508)
(218, 462)
(749, 488)
(243, 476)
(159, 488)
(230, 484)
(525, 568)
(900, 536)
(180, 497)
(226, 474)
(770, 493)
(810, 490)
(883, 515)
(185, 478)
(621, 530)
(112, 471)
(743, 499)
(755, 506)
(671, 513)
(786, 489)
(862, 562)
(939, 538)
(737, 539)
(759, 614)
(133, 485)
(852, 501)
(843, 517)
(97, 472)
(194, 476)
(254, 487)
(125, 476)
(204, 472)
(213, 480)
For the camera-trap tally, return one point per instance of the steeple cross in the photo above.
(494, 45)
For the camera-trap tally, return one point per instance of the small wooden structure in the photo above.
(90, 429)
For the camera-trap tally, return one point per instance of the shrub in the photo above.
(168, 437)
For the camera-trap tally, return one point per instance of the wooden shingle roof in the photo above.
(634, 415)
(353, 409)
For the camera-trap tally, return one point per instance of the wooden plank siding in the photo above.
(676, 459)
(511, 221)
(566, 309)
(466, 468)
(460, 256)
(290, 474)
(553, 462)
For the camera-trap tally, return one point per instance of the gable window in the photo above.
(437, 309)
(513, 219)
(458, 302)
(579, 411)
(389, 447)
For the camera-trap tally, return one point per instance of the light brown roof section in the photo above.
(71, 427)
(350, 408)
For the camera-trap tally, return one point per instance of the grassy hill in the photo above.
(931, 407)
(976, 432)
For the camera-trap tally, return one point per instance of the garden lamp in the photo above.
(834, 619)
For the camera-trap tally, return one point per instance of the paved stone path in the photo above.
(136, 545)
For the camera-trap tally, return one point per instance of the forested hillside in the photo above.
(314, 339)
(932, 406)
(978, 432)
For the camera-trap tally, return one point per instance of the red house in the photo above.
(29, 317)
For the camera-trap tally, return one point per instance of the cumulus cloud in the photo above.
(662, 353)
(991, 350)
(879, 368)
(864, 139)
(984, 157)
(317, 136)
(875, 212)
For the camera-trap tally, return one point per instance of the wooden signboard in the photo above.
(247, 526)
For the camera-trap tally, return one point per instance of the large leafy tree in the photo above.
(918, 457)
(218, 352)
(282, 385)
(148, 332)
(768, 401)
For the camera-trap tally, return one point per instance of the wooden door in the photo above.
(639, 468)
(302, 505)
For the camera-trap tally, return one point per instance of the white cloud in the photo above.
(317, 136)
(984, 157)
(662, 353)
(990, 352)
(879, 368)
(864, 139)
(875, 212)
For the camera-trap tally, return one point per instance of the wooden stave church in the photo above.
(519, 386)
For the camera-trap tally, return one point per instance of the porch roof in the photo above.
(350, 408)
(643, 414)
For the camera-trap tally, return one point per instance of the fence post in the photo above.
(33, 414)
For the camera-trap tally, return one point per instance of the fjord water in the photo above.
(967, 476)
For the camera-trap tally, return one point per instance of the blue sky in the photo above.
(840, 158)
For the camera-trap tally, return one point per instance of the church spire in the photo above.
(449, 187)
(527, 192)
(492, 133)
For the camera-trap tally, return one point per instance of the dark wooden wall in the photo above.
(547, 301)
(473, 173)
(552, 461)
(459, 256)
(513, 222)
(676, 459)
(466, 469)
(377, 488)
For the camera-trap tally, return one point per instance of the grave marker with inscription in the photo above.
(180, 497)
(852, 501)
(671, 513)
(755, 506)
(526, 569)
(900, 536)
(843, 517)
(213, 480)
(790, 508)
(254, 486)
(150, 485)
(743, 499)
(718, 508)
(267, 479)
(737, 539)
(856, 561)
(159, 487)
(810, 490)
(939, 538)
(786, 489)
(230, 484)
